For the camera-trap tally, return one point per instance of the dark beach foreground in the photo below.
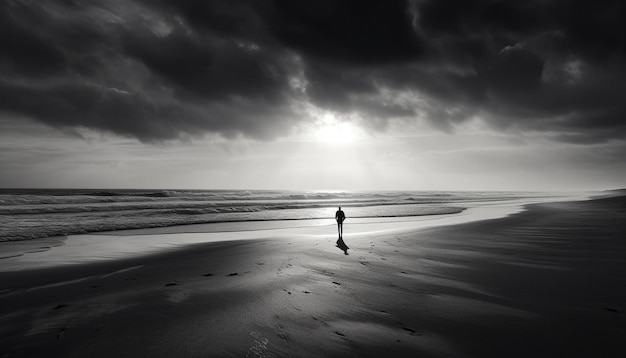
(547, 282)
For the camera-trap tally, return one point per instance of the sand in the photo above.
(546, 282)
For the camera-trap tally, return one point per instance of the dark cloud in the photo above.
(159, 70)
(513, 69)
(202, 67)
(26, 51)
(350, 31)
(125, 68)
(69, 105)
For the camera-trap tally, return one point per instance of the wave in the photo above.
(52, 228)
(156, 194)
(36, 213)
(182, 206)
(64, 200)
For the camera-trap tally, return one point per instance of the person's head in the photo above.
(340, 208)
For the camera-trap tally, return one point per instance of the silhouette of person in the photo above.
(340, 217)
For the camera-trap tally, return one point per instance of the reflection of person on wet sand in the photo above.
(340, 217)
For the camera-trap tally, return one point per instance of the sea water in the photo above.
(40, 213)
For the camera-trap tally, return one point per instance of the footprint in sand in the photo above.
(207, 274)
(322, 322)
(412, 331)
(336, 283)
(172, 284)
(232, 274)
(282, 334)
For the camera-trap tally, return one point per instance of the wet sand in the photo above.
(547, 282)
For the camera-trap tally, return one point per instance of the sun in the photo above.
(336, 133)
(329, 130)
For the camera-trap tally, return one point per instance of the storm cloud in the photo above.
(161, 70)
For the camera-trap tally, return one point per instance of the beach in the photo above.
(548, 281)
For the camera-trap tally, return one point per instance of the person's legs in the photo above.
(340, 229)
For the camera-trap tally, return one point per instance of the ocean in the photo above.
(27, 214)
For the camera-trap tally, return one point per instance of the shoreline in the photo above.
(529, 284)
(123, 244)
(85, 249)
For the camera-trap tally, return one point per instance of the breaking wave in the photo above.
(36, 213)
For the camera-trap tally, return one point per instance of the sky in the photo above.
(313, 95)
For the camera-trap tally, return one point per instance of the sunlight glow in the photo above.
(331, 131)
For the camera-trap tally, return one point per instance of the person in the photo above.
(340, 217)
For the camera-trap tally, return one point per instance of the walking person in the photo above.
(340, 217)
